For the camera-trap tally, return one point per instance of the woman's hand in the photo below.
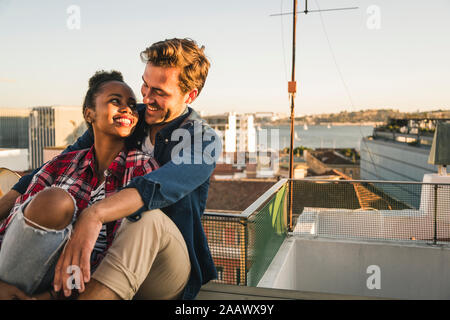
(10, 292)
(77, 253)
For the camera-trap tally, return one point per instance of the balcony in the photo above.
(350, 239)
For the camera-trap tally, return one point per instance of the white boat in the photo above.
(305, 127)
(329, 126)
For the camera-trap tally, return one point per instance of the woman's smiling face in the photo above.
(115, 111)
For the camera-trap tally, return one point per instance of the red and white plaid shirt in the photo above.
(75, 172)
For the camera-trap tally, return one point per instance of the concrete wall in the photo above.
(391, 161)
(406, 271)
(69, 125)
(14, 159)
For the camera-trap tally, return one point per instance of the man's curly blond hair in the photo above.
(181, 53)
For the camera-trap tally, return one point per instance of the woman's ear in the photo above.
(89, 115)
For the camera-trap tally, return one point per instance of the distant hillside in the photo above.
(376, 115)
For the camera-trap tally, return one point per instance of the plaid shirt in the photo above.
(75, 172)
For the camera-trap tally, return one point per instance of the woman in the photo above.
(33, 235)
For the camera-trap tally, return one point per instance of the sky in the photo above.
(385, 54)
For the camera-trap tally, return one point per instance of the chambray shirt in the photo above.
(179, 187)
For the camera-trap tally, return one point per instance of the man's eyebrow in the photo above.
(154, 88)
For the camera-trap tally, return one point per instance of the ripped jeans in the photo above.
(28, 255)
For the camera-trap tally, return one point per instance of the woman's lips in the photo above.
(125, 121)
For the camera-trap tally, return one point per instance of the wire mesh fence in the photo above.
(243, 245)
(228, 242)
(350, 209)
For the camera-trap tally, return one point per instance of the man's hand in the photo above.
(7, 203)
(77, 252)
(10, 292)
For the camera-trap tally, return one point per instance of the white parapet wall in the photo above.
(14, 159)
(384, 269)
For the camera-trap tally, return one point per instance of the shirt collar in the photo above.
(116, 168)
(166, 132)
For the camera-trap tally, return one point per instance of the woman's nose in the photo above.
(125, 109)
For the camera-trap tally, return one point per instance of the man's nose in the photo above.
(147, 98)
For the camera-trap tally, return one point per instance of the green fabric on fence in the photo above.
(267, 231)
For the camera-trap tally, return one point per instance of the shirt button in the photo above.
(166, 141)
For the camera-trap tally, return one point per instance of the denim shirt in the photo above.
(180, 190)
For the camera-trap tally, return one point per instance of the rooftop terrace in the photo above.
(350, 240)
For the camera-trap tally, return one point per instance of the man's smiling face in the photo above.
(162, 94)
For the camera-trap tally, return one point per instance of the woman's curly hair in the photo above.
(95, 85)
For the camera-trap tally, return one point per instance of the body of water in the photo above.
(315, 136)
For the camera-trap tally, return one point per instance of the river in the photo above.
(318, 136)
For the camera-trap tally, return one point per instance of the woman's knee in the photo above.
(52, 208)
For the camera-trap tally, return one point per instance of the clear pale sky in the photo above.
(405, 64)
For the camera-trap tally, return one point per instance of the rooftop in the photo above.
(350, 239)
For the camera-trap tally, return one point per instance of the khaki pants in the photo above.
(147, 260)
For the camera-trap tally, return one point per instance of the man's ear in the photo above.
(191, 96)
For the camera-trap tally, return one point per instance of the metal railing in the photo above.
(243, 245)
(372, 210)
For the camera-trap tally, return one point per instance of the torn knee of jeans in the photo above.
(38, 228)
(30, 222)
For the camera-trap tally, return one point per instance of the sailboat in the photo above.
(305, 127)
(296, 136)
(328, 126)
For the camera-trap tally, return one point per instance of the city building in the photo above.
(322, 161)
(53, 126)
(399, 150)
(237, 130)
(14, 125)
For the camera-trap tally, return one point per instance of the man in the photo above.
(160, 250)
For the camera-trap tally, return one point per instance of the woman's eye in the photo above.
(115, 101)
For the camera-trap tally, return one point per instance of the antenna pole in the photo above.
(292, 88)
